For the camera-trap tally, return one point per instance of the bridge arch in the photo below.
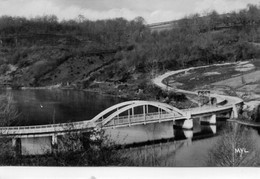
(107, 115)
(110, 109)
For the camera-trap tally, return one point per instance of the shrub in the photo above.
(4, 68)
(177, 96)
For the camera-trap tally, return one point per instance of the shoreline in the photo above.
(246, 123)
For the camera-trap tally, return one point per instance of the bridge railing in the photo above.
(207, 109)
(162, 115)
(43, 128)
(131, 119)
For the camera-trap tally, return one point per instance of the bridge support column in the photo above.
(234, 113)
(184, 124)
(188, 124)
(54, 139)
(16, 144)
(54, 143)
(208, 119)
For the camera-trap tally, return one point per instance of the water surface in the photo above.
(38, 107)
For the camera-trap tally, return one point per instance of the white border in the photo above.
(125, 172)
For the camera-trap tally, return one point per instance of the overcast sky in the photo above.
(151, 10)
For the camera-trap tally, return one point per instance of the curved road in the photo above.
(159, 82)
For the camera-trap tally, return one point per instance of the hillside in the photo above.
(117, 56)
(43, 51)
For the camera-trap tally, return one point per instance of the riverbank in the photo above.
(245, 122)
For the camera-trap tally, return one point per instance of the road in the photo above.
(220, 98)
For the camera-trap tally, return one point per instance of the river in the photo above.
(39, 107)
(151, 145)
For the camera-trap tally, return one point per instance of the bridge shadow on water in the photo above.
(184, 148)
(174, 133)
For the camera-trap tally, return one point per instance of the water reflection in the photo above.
(182, 147)
(209, 129)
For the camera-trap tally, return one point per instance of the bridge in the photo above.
(131, 113)
(120, 115)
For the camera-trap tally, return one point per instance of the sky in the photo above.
(151, 10)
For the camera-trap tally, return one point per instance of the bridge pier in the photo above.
(208, 119)
(54, 139)
(16, 144)
(234, 113)
(184, 124)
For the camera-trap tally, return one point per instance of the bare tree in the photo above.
(235, 148)
(8, 114)
(8, 111)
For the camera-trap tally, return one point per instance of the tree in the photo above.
(8, 115)
(253, 14)
(8, 111)
(214, 20)
(235, 148)
(140, 20)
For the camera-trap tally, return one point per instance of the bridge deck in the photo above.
(41, 129)
(207, 110)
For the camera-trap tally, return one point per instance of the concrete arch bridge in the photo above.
(118, 118)
(120, 115)
(124, 114)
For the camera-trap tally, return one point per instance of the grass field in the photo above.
(240, 79)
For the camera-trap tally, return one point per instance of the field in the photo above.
(237, 79)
